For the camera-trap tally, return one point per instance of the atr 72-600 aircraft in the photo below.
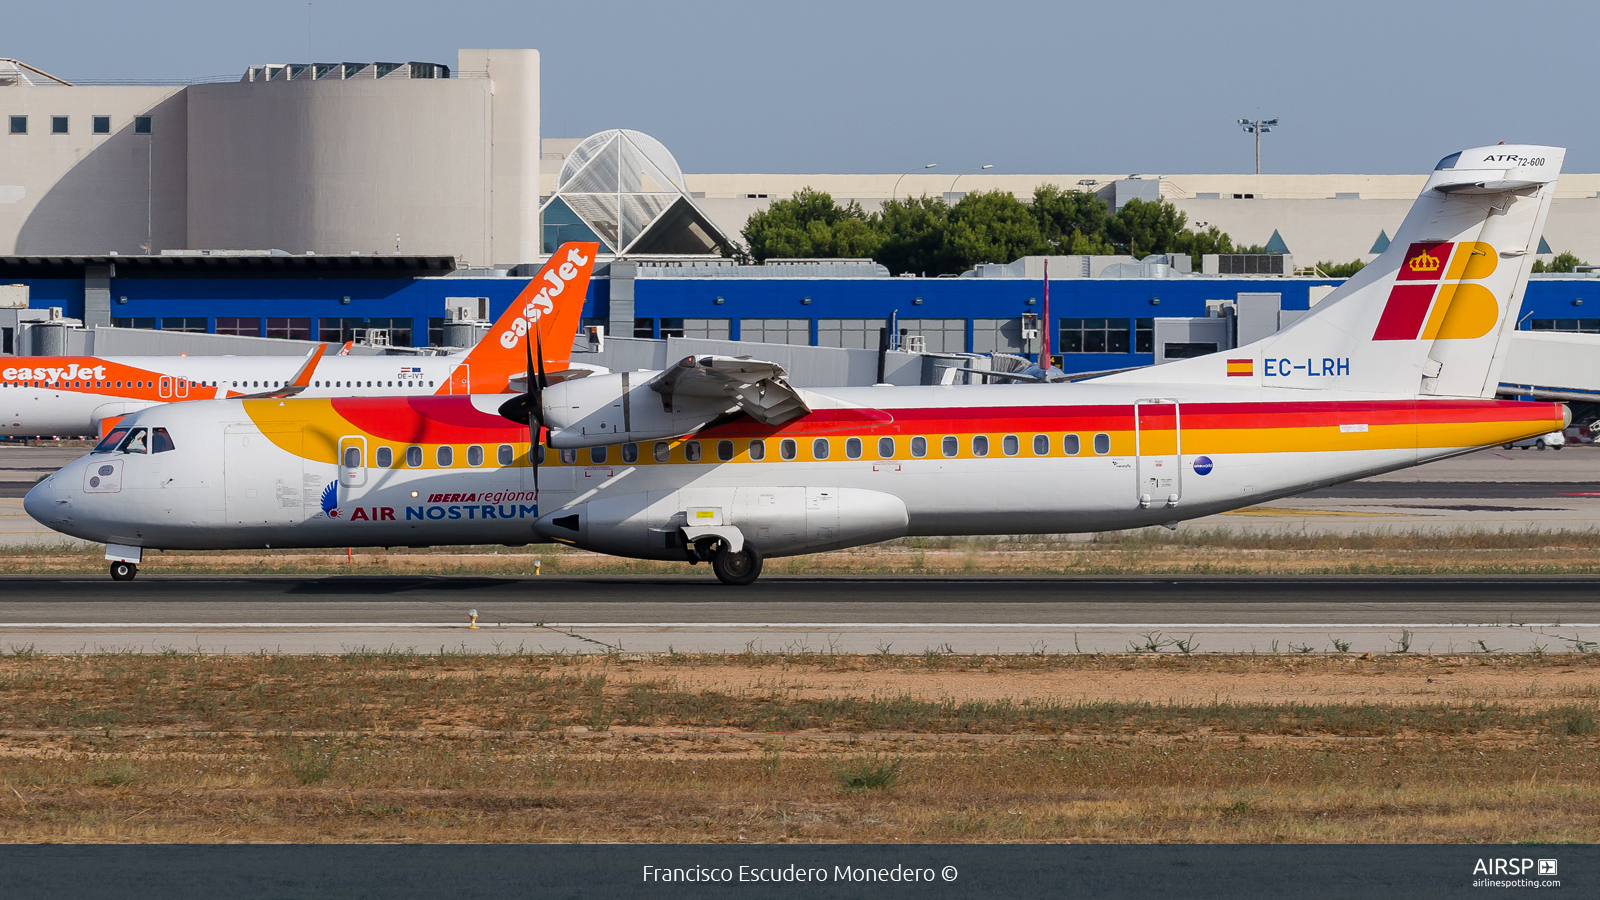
(70, 395)
(719, 459)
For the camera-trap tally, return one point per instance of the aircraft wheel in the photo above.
(123, 571)
(1540, 445)
(1508, 446)
(739, 568)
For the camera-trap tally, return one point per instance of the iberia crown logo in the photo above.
(1424, 262)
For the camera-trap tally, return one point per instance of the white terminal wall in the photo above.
(341, 166)
(89, 193)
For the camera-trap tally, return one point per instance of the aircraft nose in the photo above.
(40, 501)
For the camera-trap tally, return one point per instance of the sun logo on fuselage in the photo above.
(330, 500)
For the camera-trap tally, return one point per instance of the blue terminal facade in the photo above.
(413, 308)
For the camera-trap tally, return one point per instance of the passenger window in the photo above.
(691, 451)
(980, 445)
(385, 458)
(111, 440)
(661, 452)
(160, 441)
(950, 446)
(445, 456)
(819, 448)
(352, 457)
(1070, 445)
(724, 450)
(787, 448)
(138, 441)
(852, 448)
(758, 450)
(886, 448)
(505, 455)
(1102, 444)
(1010, 446)
(919, 447)
(1041, 445)
(630, 453)
(414, 457)
(569, 457)
(474, 456)
(597, 455)
(541, 455)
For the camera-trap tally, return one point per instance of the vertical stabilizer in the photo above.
(1432, 315)
(553, 303)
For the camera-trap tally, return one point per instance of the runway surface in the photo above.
(825, 614)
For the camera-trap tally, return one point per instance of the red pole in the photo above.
(1044, 326)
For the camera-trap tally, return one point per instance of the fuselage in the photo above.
(865, 465)
(71, 395)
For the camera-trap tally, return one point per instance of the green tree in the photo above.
(1141, 228)
(990, 227)
(1564, 262)
(1068, 217)
(912, 233)
(1341, 270)
(1199, 243)
(811, 224)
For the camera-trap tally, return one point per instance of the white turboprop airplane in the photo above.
(719, 459)
(71, 395)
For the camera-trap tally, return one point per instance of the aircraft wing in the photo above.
(758, 388)
(300, 381)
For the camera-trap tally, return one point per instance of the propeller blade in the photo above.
(536, 388)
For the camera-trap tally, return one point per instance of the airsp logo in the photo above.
(556, 278)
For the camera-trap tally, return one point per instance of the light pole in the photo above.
(896, 192)
(1258, 127)
(973, 169)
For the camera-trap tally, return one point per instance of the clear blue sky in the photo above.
(825, 86)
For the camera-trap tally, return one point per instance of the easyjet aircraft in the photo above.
(70, 395)
(719, 459)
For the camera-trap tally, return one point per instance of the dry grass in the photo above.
(768, 747)
(1220, 551)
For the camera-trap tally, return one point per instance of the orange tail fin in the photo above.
(553, 303)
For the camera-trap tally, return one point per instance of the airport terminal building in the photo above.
(407, 200)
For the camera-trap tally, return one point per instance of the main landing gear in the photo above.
(739, 568)
(124, 571)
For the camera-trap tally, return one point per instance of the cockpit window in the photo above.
(1449, 162)
(138, 441)
(111, 440)
(160, 441)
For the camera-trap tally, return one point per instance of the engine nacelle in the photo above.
(779, 521)
(612, 409)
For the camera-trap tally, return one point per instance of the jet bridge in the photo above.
(1554, 365)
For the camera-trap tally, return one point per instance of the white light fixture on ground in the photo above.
(1258, 127)
(896, 192)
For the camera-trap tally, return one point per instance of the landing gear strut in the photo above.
(124, 571)
(739, 568)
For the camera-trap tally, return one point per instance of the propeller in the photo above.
(528, 407)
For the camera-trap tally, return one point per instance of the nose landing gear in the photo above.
(123, 571)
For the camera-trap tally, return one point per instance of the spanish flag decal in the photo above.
(1244, 367)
